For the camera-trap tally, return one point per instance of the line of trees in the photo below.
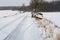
(40, 5)
(36, 4)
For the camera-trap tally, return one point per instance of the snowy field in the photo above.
(53, 16)
(14, 23)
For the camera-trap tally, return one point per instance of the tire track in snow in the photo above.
(10, 22)
(15, 31)
(16, 34)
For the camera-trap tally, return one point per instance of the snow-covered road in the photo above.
(26, 30)
(18, 27)
(9, 23)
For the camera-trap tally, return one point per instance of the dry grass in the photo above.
(58, 36)
(40, 22)
(49, 28)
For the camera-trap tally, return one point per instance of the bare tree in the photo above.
(35, 4)
(23, 7)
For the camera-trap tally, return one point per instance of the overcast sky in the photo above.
(51, 0)
(15, 2)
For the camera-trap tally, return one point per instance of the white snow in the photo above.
(53, 16)
(8, 24)
(20, 26)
